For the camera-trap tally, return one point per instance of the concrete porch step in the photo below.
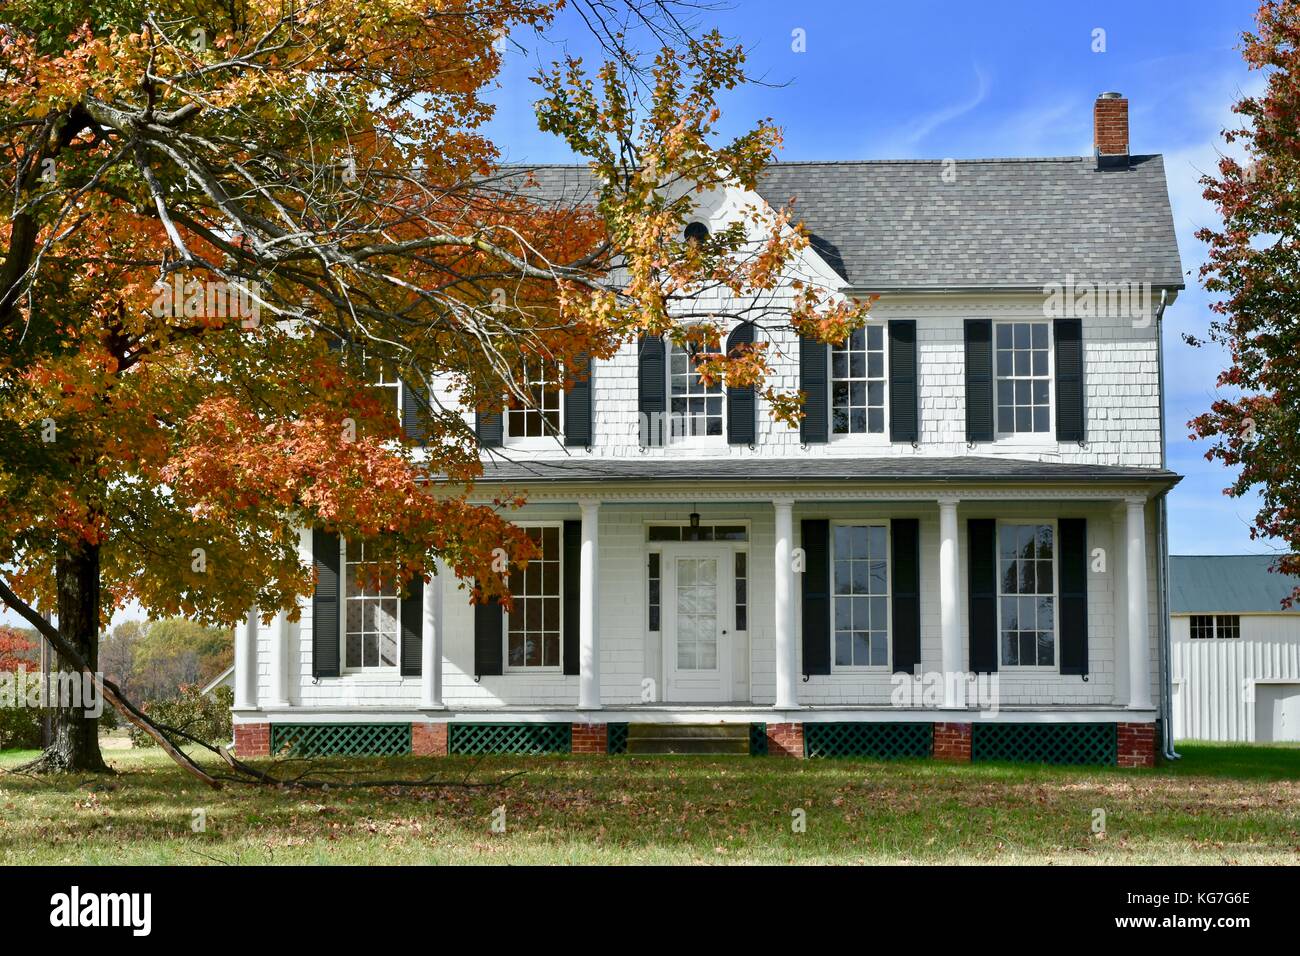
(688, 739)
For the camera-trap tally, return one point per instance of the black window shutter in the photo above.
(652, 390)
(489, 428)
(742, 403)
(487, 638)
(816, 596)
(571, 594)
(905, 580)
(814, 375)
(578, 403)
(981, 542)
(979, 380)
(1072, 551)
(1068, 336)
(903, 404)
(412, 613)
(325, 605)
(415, 413)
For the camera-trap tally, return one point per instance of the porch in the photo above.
(753, 655)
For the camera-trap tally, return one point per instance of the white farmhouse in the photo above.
(959, 554)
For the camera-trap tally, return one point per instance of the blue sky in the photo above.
(918, 80)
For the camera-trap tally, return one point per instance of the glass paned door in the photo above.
(697, 620)
(697, 614)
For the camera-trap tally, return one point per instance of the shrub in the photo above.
(204, 716)
(20, 725)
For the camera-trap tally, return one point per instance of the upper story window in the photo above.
(1027, 594)
(541, 416)
(1220, 626)
(858, 383)
(533, 628)
(1023, 362)
(861, 595)
(695, 409)
(696, 232)
(371, 614)
(382, 375)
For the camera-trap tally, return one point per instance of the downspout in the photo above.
(1162, 559)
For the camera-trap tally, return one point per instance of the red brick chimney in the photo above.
(1110, 129)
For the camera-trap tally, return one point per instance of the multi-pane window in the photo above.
(382, 375)
(861, 596)
(539, 416)
(742, 591)
(1023, 377)
(371, 613)
(533, 626)
(1211, 626)
(1027, 594)
(654, 599)
(695, 408)
(858, 383)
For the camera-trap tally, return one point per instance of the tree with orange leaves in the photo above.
(1254, 268)
(221, 218)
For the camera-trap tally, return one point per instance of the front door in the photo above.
(697, 651)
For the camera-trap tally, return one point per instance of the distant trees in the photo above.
(152, 661)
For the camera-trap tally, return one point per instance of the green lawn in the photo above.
(1218, 805)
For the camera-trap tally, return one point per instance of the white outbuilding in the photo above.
(1236, 649)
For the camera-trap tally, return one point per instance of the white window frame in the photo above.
(1055, 666)
(362, 669)
(673, 440)
(1031, 437)
(867, 437)
(741, 547)
(545, 440)
(558, 668)
(1215, 627)
(887, 667)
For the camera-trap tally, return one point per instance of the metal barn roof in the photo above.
(1228, 583)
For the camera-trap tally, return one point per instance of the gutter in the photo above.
(1162, 559)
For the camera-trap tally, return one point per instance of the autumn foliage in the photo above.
(1254, 268)
(223, 220)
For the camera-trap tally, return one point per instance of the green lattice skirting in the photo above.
(887, 741)
(758, 740)
(1044, 743)
(616, 738)
(340, 740)
(510, 738)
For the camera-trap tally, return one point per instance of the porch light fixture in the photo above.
(695, 521)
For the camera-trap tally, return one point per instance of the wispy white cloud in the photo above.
(924, 125)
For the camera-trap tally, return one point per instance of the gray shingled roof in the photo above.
(1001, 223)
(1227, 583)
(812, 469)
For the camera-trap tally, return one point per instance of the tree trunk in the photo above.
(75, 746)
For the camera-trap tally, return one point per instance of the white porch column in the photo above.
(246, 663)
(787, 651)
(1116, 568)
(588, 608)
(278, 696)
(1139, 645)
(949, 611)
(431, 645)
